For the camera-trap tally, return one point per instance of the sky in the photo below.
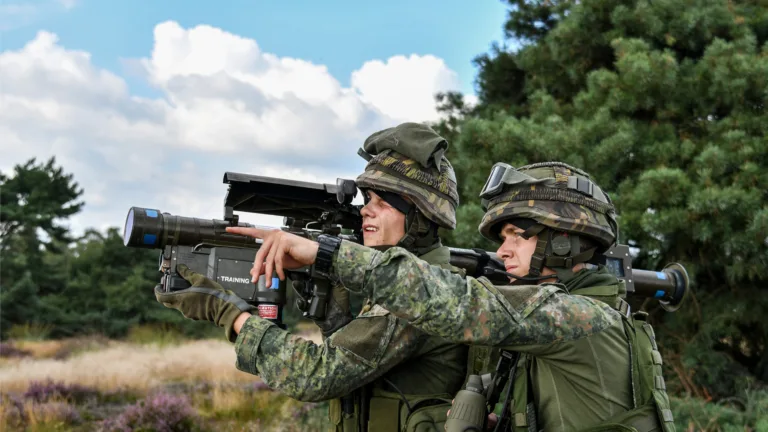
(148, 103)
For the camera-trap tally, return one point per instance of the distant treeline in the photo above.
(54, 285)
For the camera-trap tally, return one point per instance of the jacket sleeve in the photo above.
(468, 310)
(358, 353)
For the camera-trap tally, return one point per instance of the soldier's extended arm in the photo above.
(464, 309)
(357, 354)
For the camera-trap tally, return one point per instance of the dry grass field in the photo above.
(94, 384)
(156, 381)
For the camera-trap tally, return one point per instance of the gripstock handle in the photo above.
(312, 295)
(173, 282)
(299, 287)
(269, 307)
(318, 302)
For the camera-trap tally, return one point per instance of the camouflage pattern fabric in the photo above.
(309, 372)
(580, 351)
(416, 141)
(466, 310)
(556, 206)
(374, 344)
(338, 312)
(433, 192)
(559, 215)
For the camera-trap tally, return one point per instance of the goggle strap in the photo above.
(506, 175)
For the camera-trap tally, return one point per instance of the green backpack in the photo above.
(652, 410)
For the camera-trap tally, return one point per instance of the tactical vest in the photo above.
(377, 407)
(651, 410)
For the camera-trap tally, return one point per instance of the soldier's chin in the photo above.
(516, 276)
(371, 240)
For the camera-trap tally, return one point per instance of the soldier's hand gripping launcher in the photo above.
(308, 210)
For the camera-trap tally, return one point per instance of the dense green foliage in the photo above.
(664, 103)
(60, 286)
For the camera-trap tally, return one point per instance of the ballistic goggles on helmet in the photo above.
(503, 174)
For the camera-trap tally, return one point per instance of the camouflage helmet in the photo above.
(553, 194)
(409, 160)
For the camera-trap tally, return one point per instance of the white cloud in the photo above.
(225, 105)
(413, 79)
(15, 15)
(471, 100)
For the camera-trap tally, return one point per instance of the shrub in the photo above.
(44, 391)
(239, 401)
(30, 331)
(160, 412)
(11, 412)
(19, 414)
(9, 350)
(51, 413)
(735, 414)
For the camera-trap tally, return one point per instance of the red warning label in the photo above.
(267, 311)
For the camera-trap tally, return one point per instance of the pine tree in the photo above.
(32, 202)
(664, 103)
(71, 286)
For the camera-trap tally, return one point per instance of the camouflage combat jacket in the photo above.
(581, 370)
(374, 346)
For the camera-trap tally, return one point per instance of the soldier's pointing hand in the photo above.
(279, 250)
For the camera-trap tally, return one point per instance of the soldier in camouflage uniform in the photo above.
(587, 362)
(379, 372)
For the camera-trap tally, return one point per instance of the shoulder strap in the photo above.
(647, 377)
(345, 413)
(523, 405)
(608, 294)
(481, 360)
(599, 291)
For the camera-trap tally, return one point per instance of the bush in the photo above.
(8, 350)
(18, 414)
(30, 331)
(51, 414)
(44, 391)
(161, 412)
(733, 414)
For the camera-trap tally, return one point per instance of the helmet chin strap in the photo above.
(420, 233)
(521, 280)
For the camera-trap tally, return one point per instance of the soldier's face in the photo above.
(383, 225)
(516, 252)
